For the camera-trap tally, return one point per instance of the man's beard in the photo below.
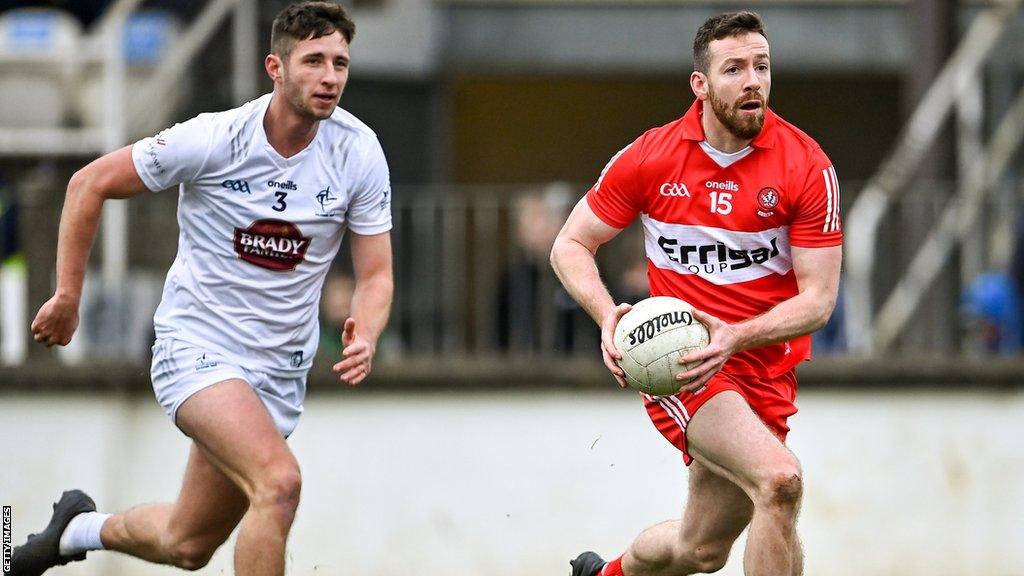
(293, 95)
(742, 126)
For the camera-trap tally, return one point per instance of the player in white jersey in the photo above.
(266, 192)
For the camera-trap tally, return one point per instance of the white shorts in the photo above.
(180, 370)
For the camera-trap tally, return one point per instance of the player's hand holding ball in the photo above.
(357, 356)
(609, 351)
(659, 340)
(700, 365)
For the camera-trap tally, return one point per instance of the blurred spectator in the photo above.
(991, 311)
(13, 282)
(631, 286)
(530, 299)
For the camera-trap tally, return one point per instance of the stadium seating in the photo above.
(148, 35)
(38, 64)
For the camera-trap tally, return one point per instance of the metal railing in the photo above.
(867, 331)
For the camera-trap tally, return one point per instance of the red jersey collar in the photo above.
(693, 130)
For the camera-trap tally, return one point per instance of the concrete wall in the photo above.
(511, 484)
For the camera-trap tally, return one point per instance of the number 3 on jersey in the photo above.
(281, 204)
(721, 202)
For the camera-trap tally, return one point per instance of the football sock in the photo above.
(82, 534)
(613, 568)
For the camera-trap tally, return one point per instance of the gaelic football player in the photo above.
(266, 192)
(740, 211)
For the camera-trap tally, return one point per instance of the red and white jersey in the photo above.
(720, 236)
(258, 231)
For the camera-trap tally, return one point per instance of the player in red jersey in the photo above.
(740, 212)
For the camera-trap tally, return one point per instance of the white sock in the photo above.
(82, 534)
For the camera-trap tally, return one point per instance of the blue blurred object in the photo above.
(31, 31)
(146, 37)
(991, 298)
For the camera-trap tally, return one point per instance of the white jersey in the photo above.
(258, 231)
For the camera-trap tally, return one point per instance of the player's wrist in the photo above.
(67, 297)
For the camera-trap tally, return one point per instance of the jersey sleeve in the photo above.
(616, 197)
(369, 212)
(816, 221)
(175, 155)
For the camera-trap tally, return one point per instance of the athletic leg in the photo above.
(726, 436)
(229, 422)
(186, 533)
(716, 513)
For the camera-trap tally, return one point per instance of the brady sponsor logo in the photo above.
(656, 325)
(677, 189)
(717, 257)
(289, 185)
(237, 186)
(271, 244)
(727, 185)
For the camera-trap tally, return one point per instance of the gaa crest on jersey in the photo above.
(271, 244)
(325, 203)
(767, 200)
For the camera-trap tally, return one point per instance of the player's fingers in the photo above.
(614, 368)
(694, 373)
(348, 333)
(704, 318)
(354, 349)
(351, 376)
(701, 382)
(350, 363)
(610, 363)
(609, 348)
(697, 355)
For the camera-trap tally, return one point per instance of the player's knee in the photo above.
(279, 488)
(711, 558)
(192, 554)
(783, 488)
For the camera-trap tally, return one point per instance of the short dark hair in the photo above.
(722, 26)
(306, 21)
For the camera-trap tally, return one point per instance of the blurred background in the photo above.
(490, 439)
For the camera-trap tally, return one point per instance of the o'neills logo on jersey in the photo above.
(271, 244)
(289, 185)
(727, 185)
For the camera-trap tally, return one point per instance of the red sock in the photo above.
(613, 568)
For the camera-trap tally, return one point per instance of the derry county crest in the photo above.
(767, 200)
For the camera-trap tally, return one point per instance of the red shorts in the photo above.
(770, 398)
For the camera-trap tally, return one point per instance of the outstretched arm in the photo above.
(110, 176)
(817, 277)
(572, 257)
(371, 304)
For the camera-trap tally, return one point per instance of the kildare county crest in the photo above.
(325, 200)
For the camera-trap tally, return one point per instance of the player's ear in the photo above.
(274, 66)
(699, 85)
